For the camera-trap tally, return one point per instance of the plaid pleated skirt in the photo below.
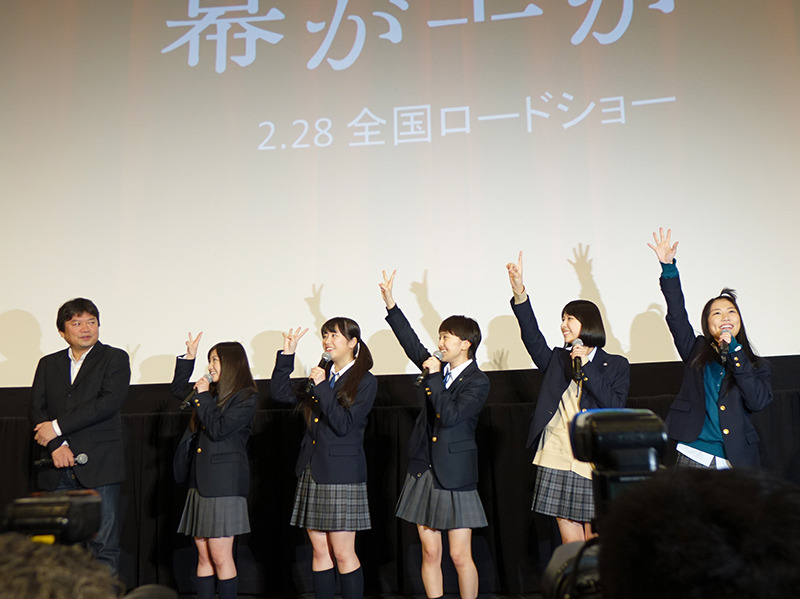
(210, 517)
(687, 462)
(330, 507)
(563, 494)
(422, 503)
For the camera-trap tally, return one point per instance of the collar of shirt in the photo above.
(591, 355)
(75, 365)
(341, 372)
(454, 372)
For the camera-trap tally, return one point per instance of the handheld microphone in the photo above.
(323, 362)
(80, 460)
(577, 366)
(187, 403)
(425, 372)
(724, 347)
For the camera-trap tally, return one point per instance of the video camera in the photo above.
(624, 446)
(64, 517)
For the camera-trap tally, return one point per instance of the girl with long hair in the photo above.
(331, 496)
(212, 457)
(724, 381)
(578, 376)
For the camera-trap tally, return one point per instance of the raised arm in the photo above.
(184, 367)
(515, 278)
(532, 337)
(386, 289)
(401, 328)
(280, 385)
(291, 339)
(683, 335)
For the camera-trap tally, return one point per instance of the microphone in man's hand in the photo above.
(80, 460)
(323, 362)
(577, 365)
(425, 372)
(187, 403)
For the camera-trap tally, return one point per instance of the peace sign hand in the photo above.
(191, 345)
(386, 289)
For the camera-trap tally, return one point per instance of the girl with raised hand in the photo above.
(724, 381)
(440, 491)
(331, 496)
(212, 457)
(577, 376)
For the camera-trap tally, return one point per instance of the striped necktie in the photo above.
(333, 379)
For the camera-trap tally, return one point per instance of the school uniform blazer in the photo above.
(220, 448)
(451, 440)
(750, 392)
(334, 443)
(606, 379)
(87, 411)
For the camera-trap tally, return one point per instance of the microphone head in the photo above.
(326, 356)
(438, 355)
(209, 377)
(578, 342)
(81, 459)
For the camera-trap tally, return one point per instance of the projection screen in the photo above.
(239, 168)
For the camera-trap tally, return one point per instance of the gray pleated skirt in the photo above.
(422, 503)
(687, 462)
(210, 517)
(330, 507)
(563, 494)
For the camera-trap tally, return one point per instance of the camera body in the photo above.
(64, 517)
(624, 446)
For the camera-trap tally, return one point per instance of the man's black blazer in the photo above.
(88, 412)
(450, 438)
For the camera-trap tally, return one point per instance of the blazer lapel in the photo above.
(63, 364)
(339, 379)
(91, 360)
(465, 374)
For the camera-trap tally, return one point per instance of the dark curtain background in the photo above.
(275, 559)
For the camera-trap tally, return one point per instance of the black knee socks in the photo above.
(353, 584)
(324, 584)
(228, 589)
(205, 587)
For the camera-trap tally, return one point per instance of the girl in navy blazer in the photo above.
(723, 382)
(212, 456)
(331, 497)
(440, 490)
(577, 377)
